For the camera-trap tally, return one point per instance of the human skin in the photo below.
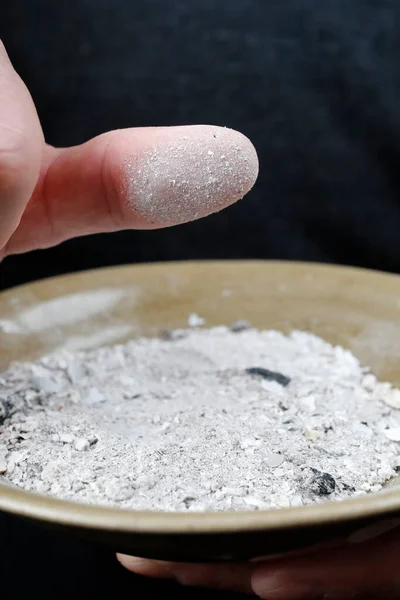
(139, 178)
(48, 195)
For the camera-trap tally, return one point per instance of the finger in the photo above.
(368, 570)
(21, 143)
(229, 576)
(137, 178)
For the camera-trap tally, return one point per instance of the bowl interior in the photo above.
(357, 309)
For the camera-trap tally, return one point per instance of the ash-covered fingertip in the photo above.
(190, 172)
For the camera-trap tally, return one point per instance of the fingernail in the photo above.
(278, 586)
(190, 172)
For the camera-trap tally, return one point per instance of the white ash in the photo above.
(195, 321)
(189, 173)
(193, 421)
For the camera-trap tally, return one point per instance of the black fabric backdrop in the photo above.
(314, 83)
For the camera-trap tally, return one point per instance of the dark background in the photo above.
(314, 83)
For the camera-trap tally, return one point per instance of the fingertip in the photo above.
(276, 584)
(145, 567)
(181, 174)
(228, 576)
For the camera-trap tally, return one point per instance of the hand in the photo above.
(368, 570)
(134, 178)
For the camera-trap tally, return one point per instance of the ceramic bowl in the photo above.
(355, 308)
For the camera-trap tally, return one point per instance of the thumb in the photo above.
(136, 178)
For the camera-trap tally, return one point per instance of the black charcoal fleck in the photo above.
(322, 484)
(188, 501)
(269, 375)
(240, 326)
(7, 409)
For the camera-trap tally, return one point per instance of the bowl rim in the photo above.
(75, 514)
(84, 516)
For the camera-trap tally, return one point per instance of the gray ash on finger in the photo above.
(268, 375)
